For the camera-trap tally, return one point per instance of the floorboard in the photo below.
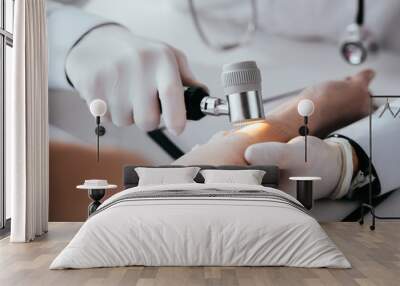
(374, 255)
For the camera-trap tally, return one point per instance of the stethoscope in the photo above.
(358, 41)
(246, 37)
(355, 46)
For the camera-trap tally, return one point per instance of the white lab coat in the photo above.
(385, 160)
(66, 24)
(385, 144)
(308, 19)
(303, 19)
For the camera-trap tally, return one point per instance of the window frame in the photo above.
(6, 39)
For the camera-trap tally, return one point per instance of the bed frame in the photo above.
(271, 177)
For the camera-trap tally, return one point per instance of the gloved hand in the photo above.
(130, 73)
(325, 160)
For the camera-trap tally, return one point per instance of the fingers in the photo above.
(187, 76)
(186, 73)
(364, 77)
(133, 87)
(219, 135)
(300, 139)
(120, 112)
(118, 103)
(109, 87)
(146, 109)
(170, 91)
(283, 155)
(296, 150)
(269, 153)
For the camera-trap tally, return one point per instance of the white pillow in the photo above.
(247, 177)
(163, 176)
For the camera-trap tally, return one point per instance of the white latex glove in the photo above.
(324, 159)
(130, 73)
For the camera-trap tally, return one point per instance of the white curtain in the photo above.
(27, 153)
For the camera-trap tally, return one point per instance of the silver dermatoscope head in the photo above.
(242, 89)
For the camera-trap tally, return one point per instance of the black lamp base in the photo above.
(303, 130)
(100, 130)
(96, 195)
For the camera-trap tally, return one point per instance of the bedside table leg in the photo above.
(96, 196)
(93, 207)
(304, 193)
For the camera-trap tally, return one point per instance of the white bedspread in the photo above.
(186, 231)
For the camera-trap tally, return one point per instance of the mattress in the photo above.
(201, 225)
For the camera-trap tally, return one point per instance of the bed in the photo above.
(201, 224)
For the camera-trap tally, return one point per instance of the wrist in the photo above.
(345, 167)
(283, 127)
(287, 118)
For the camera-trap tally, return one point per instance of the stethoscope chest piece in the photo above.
(357, 44)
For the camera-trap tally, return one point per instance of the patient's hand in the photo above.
(325, 160)
(337, 103)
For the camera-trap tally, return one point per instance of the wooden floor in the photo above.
(375, 257)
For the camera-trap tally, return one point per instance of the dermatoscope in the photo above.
(243, 98)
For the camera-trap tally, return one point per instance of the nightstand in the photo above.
(304, 190)
(96, 190)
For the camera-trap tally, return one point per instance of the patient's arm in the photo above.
(337, 103)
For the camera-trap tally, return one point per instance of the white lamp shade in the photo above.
(305, 107)
(98, 107)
